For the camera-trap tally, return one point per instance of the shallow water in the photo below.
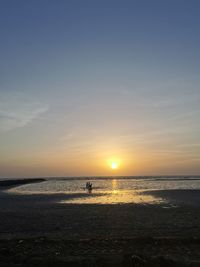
(110, 190)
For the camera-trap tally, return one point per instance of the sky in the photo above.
(87, 83)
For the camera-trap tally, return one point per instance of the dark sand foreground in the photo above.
(38, 230)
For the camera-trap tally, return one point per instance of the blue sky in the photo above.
(83, 82)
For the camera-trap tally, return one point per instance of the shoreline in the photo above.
(35, 215)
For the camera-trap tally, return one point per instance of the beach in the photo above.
(37, 228)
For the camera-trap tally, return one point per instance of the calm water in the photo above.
(109, 190)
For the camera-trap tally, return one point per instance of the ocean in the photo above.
(110, 190)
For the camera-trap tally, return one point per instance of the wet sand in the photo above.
(37, 228)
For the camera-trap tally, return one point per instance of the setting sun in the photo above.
(114, 165)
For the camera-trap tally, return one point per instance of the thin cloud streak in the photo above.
(16, 112)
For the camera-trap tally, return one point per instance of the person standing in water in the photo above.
(89, 187)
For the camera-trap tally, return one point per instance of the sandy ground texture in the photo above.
(38, 230)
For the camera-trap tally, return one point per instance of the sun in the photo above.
(114, 165)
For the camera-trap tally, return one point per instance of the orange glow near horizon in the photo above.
(101, 162)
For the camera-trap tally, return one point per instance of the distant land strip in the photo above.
(18, 182)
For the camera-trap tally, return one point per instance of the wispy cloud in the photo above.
(17, 111)
(158, 98)
(190, 145)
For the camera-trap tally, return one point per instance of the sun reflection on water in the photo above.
(116, 197)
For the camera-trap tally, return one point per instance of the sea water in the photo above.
(109, 190)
